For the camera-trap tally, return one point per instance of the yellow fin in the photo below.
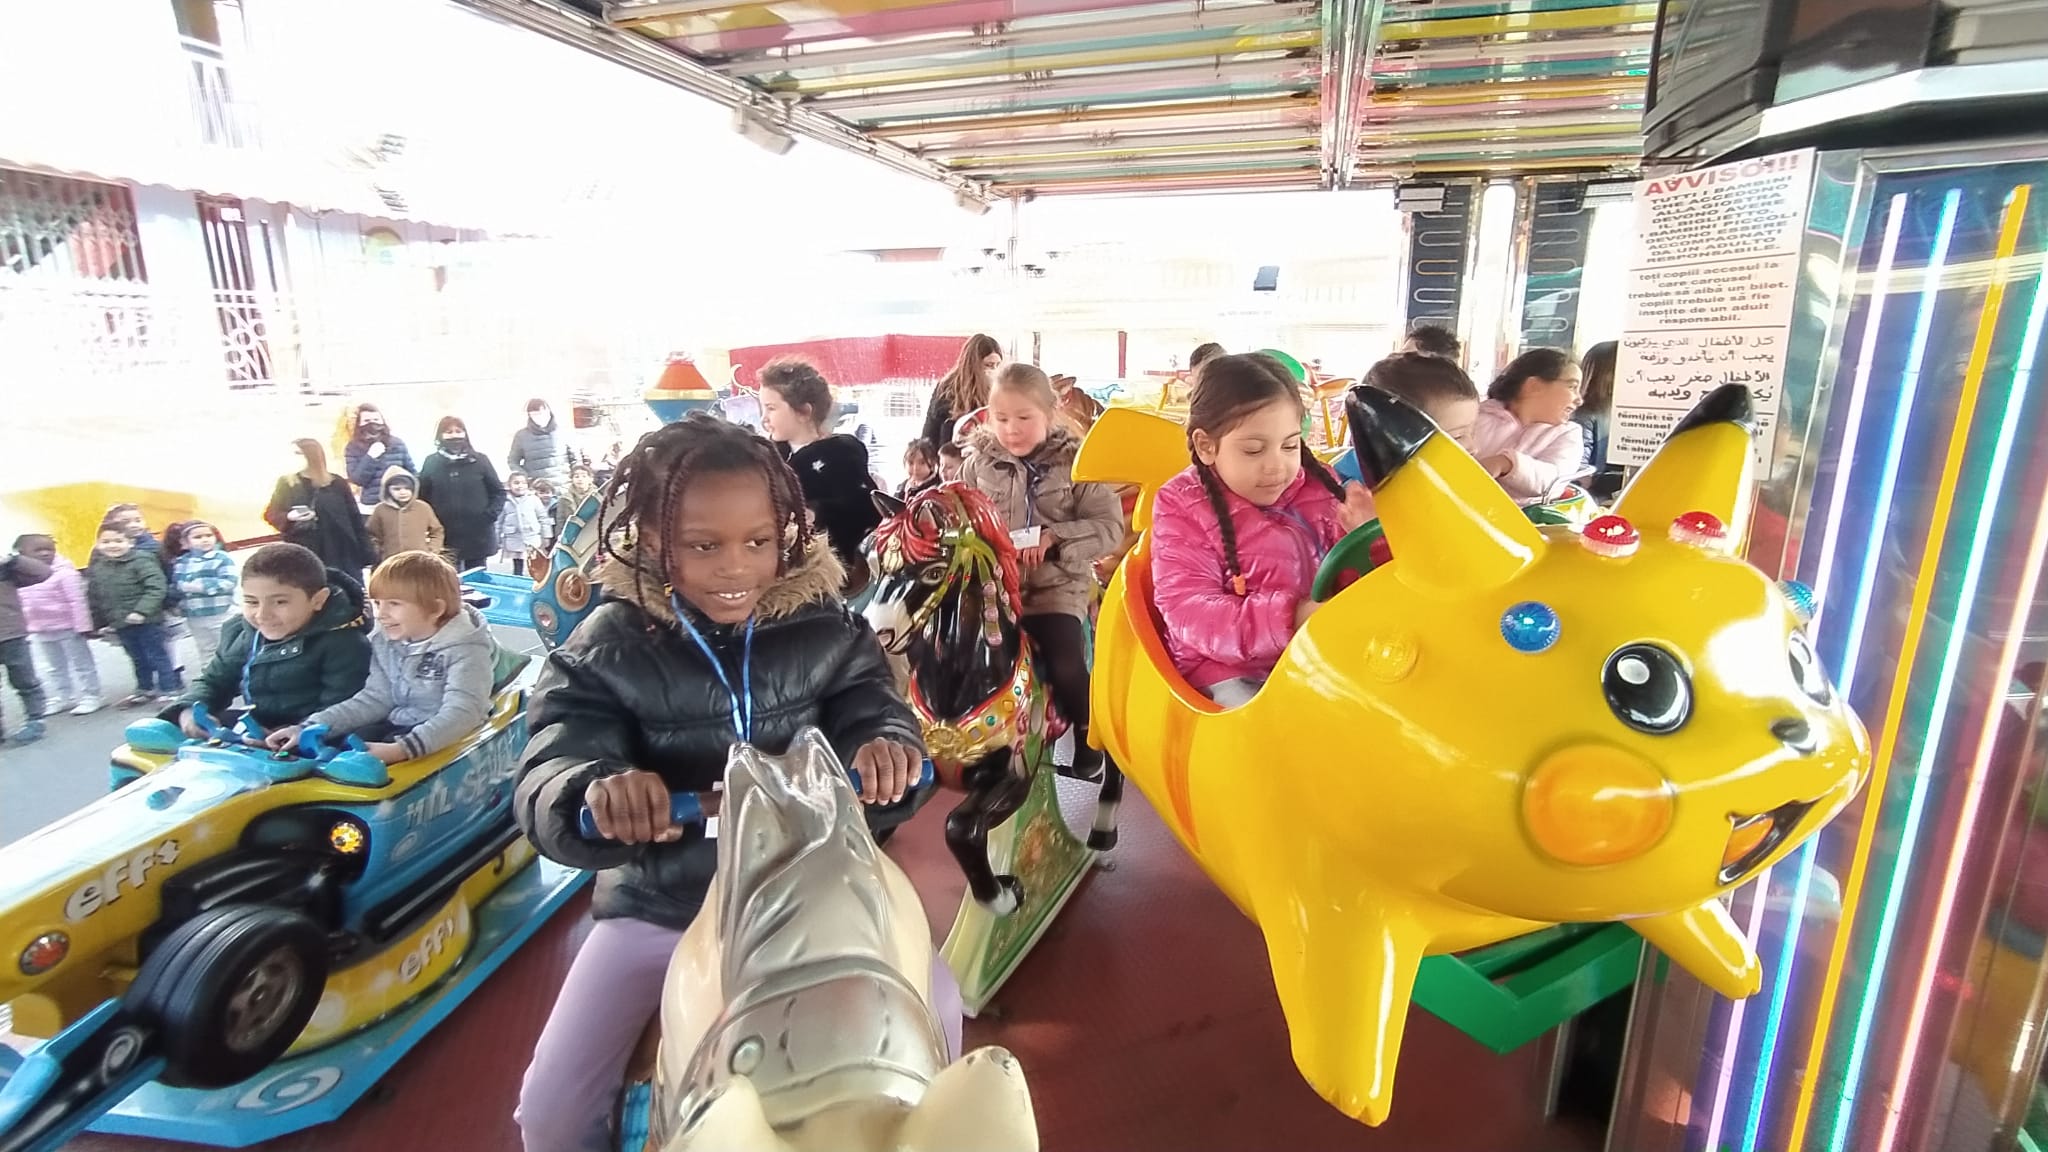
(1705, 942)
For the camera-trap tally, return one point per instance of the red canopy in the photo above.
(854, 361)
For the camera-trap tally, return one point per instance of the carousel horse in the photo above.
(947, 599)
(797, 1012)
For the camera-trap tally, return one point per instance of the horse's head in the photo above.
(824, 1035)
(1617, 721)
(979, 1102)
(925, 550)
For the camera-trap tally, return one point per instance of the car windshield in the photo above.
(120, 822)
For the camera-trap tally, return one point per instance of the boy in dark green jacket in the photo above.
(301, 643)
(125, 586)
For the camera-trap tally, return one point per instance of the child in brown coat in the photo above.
(403, 522)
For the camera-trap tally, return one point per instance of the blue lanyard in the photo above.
(743, 698)
(255, 650)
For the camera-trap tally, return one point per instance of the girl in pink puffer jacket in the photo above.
(1524, 434)
(1237, 538)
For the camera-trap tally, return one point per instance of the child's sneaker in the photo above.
(136, 700)
(87, 706)
(29, 733)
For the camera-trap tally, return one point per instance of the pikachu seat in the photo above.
(1505, 727)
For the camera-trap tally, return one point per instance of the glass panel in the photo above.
(1903, 998)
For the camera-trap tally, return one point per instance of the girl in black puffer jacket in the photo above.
(722, 622)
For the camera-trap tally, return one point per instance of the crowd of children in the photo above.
(726, 561)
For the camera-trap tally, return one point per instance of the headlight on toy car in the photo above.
(44, 953)
(348, 837)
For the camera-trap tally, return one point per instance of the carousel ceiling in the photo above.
(1005, 97)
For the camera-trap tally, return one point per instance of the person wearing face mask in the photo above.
(463, 489)
(538, 449)
(373, 450)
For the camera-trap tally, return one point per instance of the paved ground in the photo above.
(67, 769)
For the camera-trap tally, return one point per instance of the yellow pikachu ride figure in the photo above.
(1507, 726)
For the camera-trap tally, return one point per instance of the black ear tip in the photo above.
(1385, 431)
(886, 504)
(1728, 404)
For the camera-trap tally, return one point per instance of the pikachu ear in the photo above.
(1452, 528)
(1707, 464)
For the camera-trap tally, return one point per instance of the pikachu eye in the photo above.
(1647, 689)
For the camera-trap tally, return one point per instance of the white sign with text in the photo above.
(1712, 281)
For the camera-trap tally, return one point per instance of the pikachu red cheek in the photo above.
(1593, 805)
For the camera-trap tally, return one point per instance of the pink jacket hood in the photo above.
(1546, 455)
(58, 603)
(1213, 633)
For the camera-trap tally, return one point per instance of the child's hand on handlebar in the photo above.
(1358, 507)
(190, 725)
(887, 770)
(283, 738)
(632, 808)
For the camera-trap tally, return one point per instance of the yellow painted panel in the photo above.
(1616, 17)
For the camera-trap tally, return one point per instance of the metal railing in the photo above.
(115, 338)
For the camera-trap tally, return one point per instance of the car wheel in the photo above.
(229, 990)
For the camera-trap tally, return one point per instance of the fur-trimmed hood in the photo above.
(816, 580)
(1059, 448)
(397, 474)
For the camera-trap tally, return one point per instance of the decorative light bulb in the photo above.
(1804, 603)
(1612, 536)
(1700, 530)
(1530, 626)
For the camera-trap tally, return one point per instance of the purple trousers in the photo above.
(572, 1087)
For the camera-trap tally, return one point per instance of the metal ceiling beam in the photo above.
(632, 50)
(1078, 89)
(1305, 160)
(1538, 119)
(1005, 63)
(1094, 141)
(1512, 51)
(977, 120)
(751, 28)
(1132, 152)
(1350, 37)
(800, 57)
(629, 15)
(1602, 19)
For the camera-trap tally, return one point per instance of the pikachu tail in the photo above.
(1130, 446)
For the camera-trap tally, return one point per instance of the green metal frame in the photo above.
(1511, 993)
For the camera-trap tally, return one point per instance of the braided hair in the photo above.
(647, 488)
(1229, 389)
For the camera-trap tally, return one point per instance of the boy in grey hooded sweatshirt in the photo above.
(431, 665)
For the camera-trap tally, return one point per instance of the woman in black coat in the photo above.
(464, 491)
(964, 389)
(317, 509)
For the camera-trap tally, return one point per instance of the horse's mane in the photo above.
(920, 528)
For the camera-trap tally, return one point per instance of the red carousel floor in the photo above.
(1145, 1020)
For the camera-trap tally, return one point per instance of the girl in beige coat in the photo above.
(1023, 460)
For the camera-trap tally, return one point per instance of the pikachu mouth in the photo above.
(1753, 838)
